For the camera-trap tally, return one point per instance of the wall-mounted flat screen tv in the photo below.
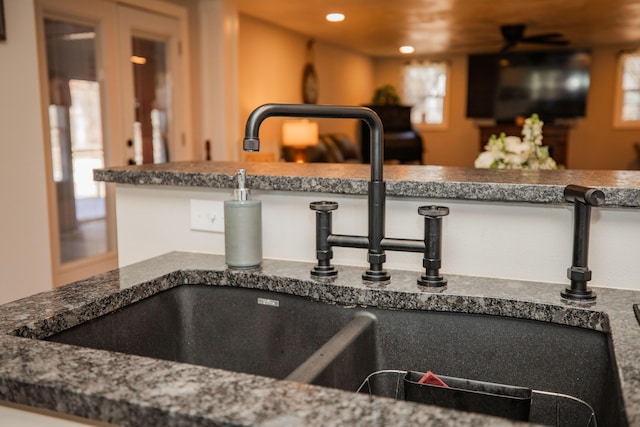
(553, 84)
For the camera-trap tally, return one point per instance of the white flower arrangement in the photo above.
(512, 152)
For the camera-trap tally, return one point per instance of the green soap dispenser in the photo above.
(242, 228)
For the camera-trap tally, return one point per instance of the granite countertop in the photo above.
(527, 186)
(132, 390)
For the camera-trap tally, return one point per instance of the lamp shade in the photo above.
(299, 133)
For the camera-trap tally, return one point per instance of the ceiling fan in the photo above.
(514, 34)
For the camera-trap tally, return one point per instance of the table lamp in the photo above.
(297, 135)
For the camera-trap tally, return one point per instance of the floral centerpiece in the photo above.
(512, 152)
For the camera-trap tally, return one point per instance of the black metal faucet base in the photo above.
(432, 281)
(578, 295)
(376, 276)
(324, 271)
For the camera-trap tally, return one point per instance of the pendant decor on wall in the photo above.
(309, 78)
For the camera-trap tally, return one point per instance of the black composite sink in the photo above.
(294, 338)
(245, 330)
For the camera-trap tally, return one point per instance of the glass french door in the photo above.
(75, 45)
(77, 142)
(108, 77)
(149, 46)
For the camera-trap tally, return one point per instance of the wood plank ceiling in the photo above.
(378, 27)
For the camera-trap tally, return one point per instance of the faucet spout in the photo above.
(376, 190)
(251, 140)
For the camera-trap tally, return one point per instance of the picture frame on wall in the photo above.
(3, 30)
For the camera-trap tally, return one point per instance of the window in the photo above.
(628, 90)
(425, 88)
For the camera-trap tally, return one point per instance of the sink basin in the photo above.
(246, 330)
(538, 355)
(297, 339)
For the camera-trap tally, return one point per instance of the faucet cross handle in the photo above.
(324, 253)
(432, 260)
(323, 206)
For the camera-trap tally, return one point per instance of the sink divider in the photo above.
(347, 357)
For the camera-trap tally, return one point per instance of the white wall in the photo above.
(25, 267)
(517, 241)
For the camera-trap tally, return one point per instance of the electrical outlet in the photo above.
(207, 215)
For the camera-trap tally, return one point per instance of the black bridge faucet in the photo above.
(375, 241)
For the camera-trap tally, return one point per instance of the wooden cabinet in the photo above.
(555, 136)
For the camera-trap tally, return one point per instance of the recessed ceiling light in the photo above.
(407, 49)
(335, 17)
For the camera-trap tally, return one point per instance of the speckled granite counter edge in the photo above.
(622, 188)
(121, 387)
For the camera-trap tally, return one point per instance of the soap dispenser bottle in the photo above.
(242, 228)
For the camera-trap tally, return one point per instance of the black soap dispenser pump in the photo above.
(242, 228)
